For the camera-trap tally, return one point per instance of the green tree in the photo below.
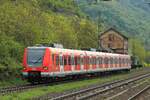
(137, 49)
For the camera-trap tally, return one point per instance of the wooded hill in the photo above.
(28, 22)
(131, 17)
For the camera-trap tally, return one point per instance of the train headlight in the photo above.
(24, 68)
(45, 68)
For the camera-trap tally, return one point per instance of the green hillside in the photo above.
(28, 22)
(131, 17)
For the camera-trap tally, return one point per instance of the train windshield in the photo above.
(35, 57)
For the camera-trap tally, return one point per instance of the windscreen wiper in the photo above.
(37, 60)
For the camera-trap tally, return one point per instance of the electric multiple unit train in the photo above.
(45, 63)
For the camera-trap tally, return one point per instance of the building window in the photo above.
(109, 45)
(111, 37)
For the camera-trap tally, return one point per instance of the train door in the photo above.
(87, 63)
(61, 62)
(90, 63)
(54, 67)
(69, 63)
(56, 62)
(66, 68)
(77, 63)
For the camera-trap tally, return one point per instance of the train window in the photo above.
(94, 61)
(69, 60)
(61, 60)
(72, 61)
(97, 61)
(126, 61)
(100, 60)
(65, 60)
(123, 61)
(119, 60)
(106, 60)
(90, 60)
(111, 60)
(81, 61)
(78, 60)
(87, 61)
(84, 60)
(75, 60)
(57, 60)
(116, 61)
(53, 58)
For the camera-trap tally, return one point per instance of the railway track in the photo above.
(99, 89)
(20, 88)
(137, 95)
(125, 92)
(4, 91)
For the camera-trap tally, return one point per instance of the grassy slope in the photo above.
(11, 82)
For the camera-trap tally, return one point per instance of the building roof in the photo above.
(113, 29)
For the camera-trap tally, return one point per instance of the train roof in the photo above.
(80, 52)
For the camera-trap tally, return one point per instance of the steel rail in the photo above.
(139, 93)
(8, 90)
(4, 91)
(106, 87)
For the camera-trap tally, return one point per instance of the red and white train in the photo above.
(48, 62)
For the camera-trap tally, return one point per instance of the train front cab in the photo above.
(36, 63)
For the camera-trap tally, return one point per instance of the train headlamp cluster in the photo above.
(45, 68)
(24, 68)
